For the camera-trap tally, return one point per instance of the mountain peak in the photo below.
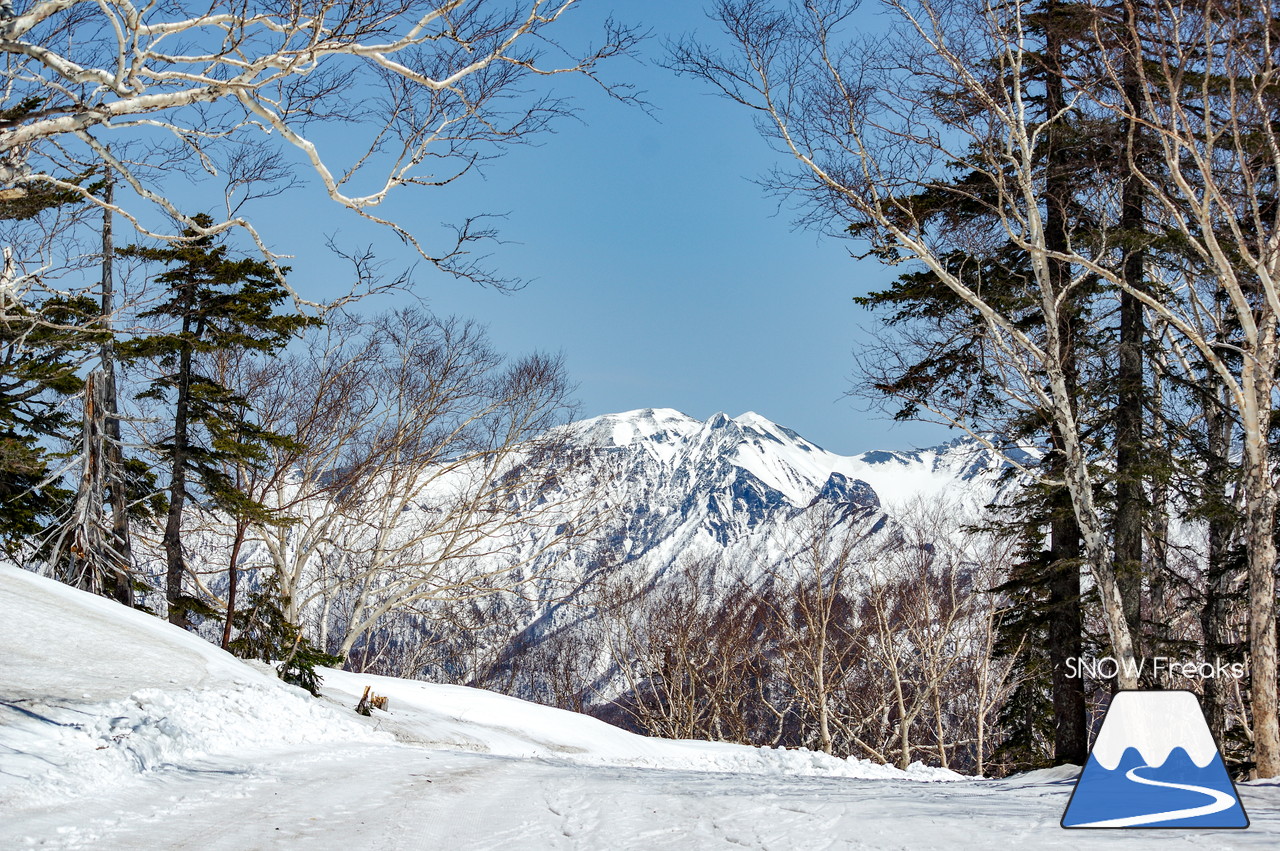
(628, 427)
(719, 420)
(752, 418)
(656, 415)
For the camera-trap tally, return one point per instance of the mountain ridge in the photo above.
(736, 489)
(928, 471)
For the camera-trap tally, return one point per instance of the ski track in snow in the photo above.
(1221, 801)
(396, 797)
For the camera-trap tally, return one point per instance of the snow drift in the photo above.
(93, 694)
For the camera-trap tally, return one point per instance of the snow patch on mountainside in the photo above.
(627, 428)
(963, 472)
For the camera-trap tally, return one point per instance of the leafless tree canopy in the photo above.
(363, 98)
(421, 460)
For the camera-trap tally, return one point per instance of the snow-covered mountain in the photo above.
(737, 490)
(682, 486)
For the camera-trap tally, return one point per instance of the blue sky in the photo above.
(661, 272)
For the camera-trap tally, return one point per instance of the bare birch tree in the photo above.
(812, 606)
(873, 123)
(1207, 95)
(418, 90)
(425, 468)
(923, 631)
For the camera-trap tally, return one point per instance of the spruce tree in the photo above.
(1047, 627)
(41, 348)
(266, 633)
(213, 302)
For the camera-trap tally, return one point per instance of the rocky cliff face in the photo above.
(739, 489)
(685, 486)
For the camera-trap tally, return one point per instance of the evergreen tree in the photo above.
(265, 633)
(41, 348)
(43, 342)
(953, 374)
(213, 303)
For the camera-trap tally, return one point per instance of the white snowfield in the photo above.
(118, 731)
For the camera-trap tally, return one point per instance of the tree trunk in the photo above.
(175, 567)
(113, 449)
(1070, 744)
(1262, 632)
(1156, 556)
(1130, 391)
(1070, 738)
(1260, 524)
(824, 720)
(233, 579)
(1214, 613)
(89, 567)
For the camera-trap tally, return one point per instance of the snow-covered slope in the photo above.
(93, 694)
(486, 722)
(962, 472)
(118, 731)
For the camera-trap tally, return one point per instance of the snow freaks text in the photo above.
(1109, 667)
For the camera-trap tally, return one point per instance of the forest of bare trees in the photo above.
(878, 646)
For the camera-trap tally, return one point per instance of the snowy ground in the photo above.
(120, 732)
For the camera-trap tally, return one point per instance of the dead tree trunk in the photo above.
(112, 445)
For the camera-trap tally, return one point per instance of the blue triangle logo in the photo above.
(1155, 764)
